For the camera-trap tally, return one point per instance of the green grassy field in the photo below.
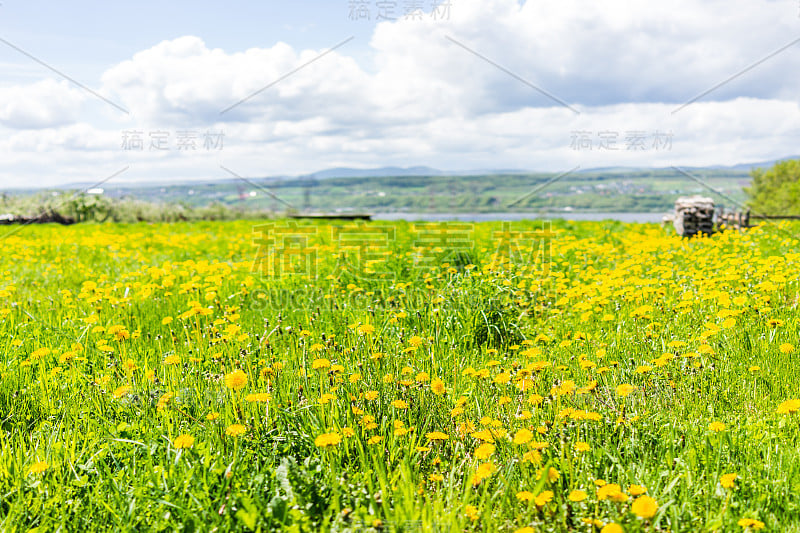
(574, 377)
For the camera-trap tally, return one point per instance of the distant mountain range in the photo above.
(393, 171)
(383, 172)
(741, 167)
(343, 172)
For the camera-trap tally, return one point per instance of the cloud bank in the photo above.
(539, 86)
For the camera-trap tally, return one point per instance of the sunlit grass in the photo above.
(160, 377)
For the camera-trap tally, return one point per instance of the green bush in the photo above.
(776, 191)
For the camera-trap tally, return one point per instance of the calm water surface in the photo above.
(485, 217)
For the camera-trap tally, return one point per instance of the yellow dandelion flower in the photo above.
(258, 397)
(437, 387)
(484, 471)
(532, 456)
(636, 490)
(320, 364)
(624, 390)
(611, 491)
(119, 392)
(183, 441)
(544, 498)
(235, 430)
(789, 406)
(38, 467)
(366, 329)
(552, 475)
(523, 436)
(582, 447)
(644, 507)
(236, 380)
(577, 496)
(525, 496)
(327, 440)
(371, 395)
(750, 522)
(484, 451)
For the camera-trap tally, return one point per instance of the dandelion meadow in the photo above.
(603, 378)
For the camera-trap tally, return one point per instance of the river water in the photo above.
(485, 217)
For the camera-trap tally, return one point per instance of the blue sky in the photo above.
(470, 84)
(84, 38)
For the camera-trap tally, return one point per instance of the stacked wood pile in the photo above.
(734, 220)
(693, 215)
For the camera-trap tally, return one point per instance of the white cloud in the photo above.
(625, 65)
(43, 104)
(595, 53)
(183, 82)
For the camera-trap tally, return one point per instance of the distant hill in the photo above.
(386, 172)
(428, 190)
(417, 171)
(745, 167)
(763, 164)
(381, 172)
(422, 189)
